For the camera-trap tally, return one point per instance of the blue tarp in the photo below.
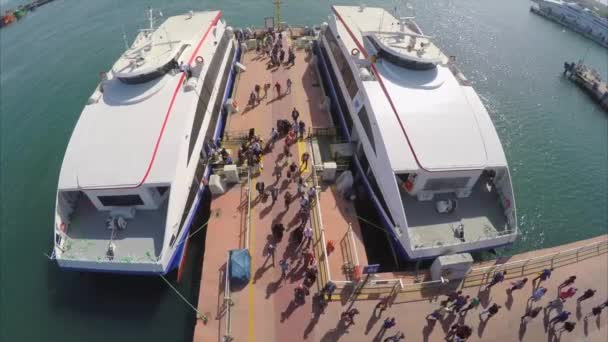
(240, 267)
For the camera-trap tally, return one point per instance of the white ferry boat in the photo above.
(426, 148)
(575, 17)
(131, 178)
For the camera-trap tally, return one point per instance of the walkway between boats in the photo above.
(265, 310)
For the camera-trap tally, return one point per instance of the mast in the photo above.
(277, 13)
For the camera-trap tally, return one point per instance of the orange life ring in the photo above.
(62, 227)
(199, 59)
(354, 51)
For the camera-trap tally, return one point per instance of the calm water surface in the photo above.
(555, 138)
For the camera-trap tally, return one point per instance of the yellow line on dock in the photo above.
(251, 286)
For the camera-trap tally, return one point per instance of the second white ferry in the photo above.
(426, 148)
(132, 174)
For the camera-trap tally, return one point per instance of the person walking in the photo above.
(277, 231)
(586, 295)
(561, 317)
(295, 114)
(287, 198)
(531, 314)
(274, 136)
(271, 249)
(452, 297)
(491, 311)
(288, 88)
(436, 315)
(459, 303)
(277, 87)
(395, 338)
(281, 56)
(543, 276)
(596, 311)
(567, 282)
(538, 294)
(252, 99)
(473, 304)
(349, 316)
(274, 194)
(308, 233)
(301, 128)
(291, 57)
(257, 89)
(389, 322)
(568, 327)
(311, 275)
(570, 292)
(266, 87)
(328, 289)
(556, 304)
(381, 306)
(284, 264)
(259, 186)
(498, 278)
(311, 194)
(517, 285)
(305, 158)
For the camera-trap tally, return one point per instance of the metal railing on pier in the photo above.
(520, 268)
(227, 302)
(320, 244)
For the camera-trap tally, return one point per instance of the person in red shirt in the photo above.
(571, 291)
(278, 88)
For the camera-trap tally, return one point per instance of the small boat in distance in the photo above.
(131, 178)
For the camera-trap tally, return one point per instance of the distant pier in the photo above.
(561, 20)
(589, 80)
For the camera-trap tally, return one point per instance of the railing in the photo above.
(323, 131)
(227, 301)
(237, 136)
(487, 236)
(317, 214)
(248, 222)
(533, 265)
(477, 276)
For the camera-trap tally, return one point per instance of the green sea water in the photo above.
(555, 138)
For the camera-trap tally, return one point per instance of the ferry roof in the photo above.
(444, 123)
(135, 133)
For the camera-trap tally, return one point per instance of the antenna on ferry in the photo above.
(151, 18)
(277, 13)
(124, 38)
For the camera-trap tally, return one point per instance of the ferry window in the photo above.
(219, 99)
(367, 127)
(446, 183)
(342, 63)
(120, 201)
(207, 89)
